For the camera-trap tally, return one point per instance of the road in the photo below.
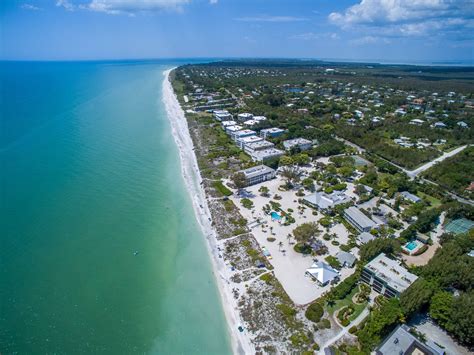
(344, 331)
(417, 171)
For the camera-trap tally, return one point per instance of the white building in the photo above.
(324, 201)
(323, 273)
(386, 276)
(265, 154)
(271, 132)
(255, 146)
(258, 174)
(228, 123)
(300, 143)
(242, 142)
(242, 134)
(222, 115)
(232, 129)
(242, 117)
(359, 220)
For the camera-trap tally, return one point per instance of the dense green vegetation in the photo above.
(455, 173)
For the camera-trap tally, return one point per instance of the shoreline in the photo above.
(240, 342)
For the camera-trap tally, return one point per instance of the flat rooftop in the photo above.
(257, 170)
(395, 275)
(362, 220)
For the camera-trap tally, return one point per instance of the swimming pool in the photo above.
(275, 216)
(411, 245)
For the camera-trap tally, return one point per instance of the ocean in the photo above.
(100, 251)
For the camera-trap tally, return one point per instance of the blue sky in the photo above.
(389, 30)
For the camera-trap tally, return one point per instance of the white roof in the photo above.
(233, 128)
(322, 272)
(228, 123)
(295, 142)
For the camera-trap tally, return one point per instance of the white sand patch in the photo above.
(240, 341)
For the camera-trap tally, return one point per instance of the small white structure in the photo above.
(322, 273)
(228, 123)
(232, 129)
(242, 142)
(265, 154)
(242, 134)
(250, 148)
(258, 174)
(417, 122)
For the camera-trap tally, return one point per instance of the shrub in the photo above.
(314, 312)
(353, 329)
(316, 347)
(271, 239)
(345, 322)
(332, 261)
(302, 248)
(247, 203)
(335, 242)
(324, 324)
(266, 277)
(421, 250)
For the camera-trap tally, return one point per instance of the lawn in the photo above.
(358, 308)
(432, 200)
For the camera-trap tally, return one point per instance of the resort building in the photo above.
(250, 148)
(222, 115)
(322, 273)
(242, 134)
(359, 220)
(258, 174)
(387, 276)
(232, 129)
(265, 154)
(300, 143)
(242, 142)
(325, 202)
(242, 117)
(228, 124)
(401, 341)
(271, 132)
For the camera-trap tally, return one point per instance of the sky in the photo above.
(384, 30)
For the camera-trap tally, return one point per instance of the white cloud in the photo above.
(311, 36)
(213, 2)
(267, 18)
(130, 7)
(407, 17)
(30, 7)
(367, 40)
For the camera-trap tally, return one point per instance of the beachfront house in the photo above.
(250, 148)
(322, 273)
(298, 143)
(325, 202)
(242, 142)
(271, 132)
(387, 276)
(266, 154)
(222, 115)
(258, 174)
(359, 220)
(242, 134)
(402, 341)
(232, 129)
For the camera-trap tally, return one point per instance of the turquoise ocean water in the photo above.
(90, 175)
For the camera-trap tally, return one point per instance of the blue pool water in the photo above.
(275, 215)
(411, 245)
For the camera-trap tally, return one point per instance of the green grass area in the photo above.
(432, 200)
(223, 190)
(358, 308)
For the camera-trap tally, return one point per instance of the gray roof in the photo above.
(389, 270)
(324, 200)
(295, 142)
(362, 220)
(257, 171)
(365, 237)
(346, 258)
(401, 341)
(410, 196)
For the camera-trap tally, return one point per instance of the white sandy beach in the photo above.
(241, 343)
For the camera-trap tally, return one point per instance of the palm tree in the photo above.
(291, 174)
(280, 244)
